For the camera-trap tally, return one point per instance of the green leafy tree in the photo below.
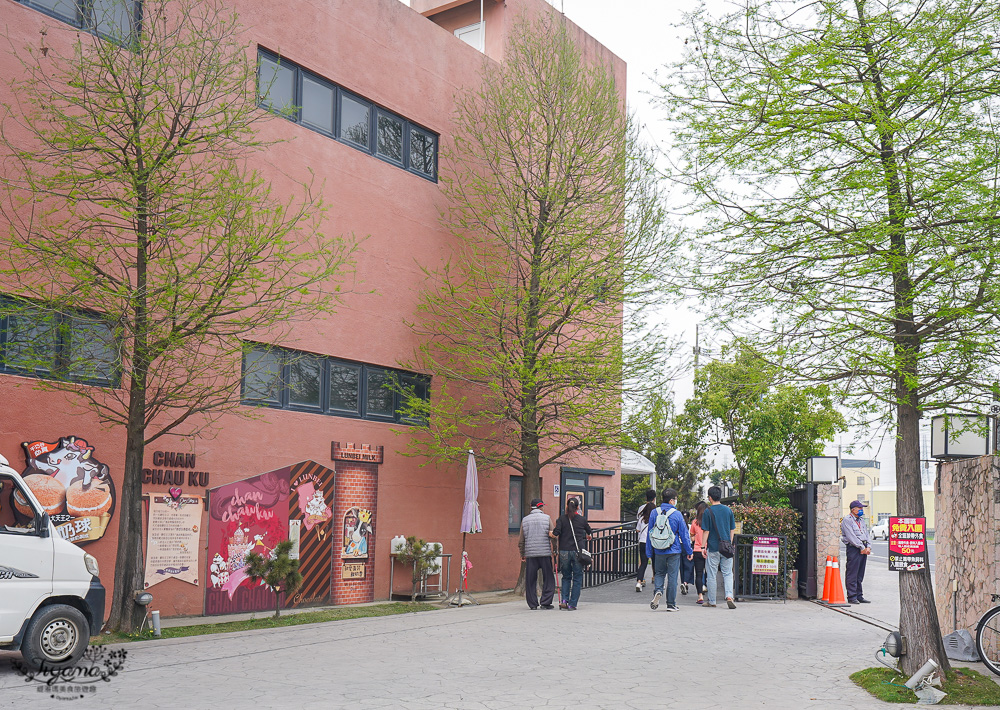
(679, 459)
(771, 428)
(130, 192)
(557, 220)
(421, 556)
(278, 571)
(844, 158)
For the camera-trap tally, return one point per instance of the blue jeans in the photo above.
(666, 565)
(572, 577)
(715, 562)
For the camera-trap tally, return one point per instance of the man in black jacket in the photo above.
(569, 525)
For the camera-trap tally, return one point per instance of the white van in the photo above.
(51, 600)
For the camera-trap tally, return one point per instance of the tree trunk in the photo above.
(918, 619)
(277, 603)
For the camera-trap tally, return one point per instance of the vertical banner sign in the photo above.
(765, 555)
(310, 515)
(907, 544)
(172, 538)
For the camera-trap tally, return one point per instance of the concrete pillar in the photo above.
(829, 513)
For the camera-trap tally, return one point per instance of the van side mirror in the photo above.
(42, 525)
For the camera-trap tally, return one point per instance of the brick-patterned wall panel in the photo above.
(357, 487)
(828, 516)
(966, 540)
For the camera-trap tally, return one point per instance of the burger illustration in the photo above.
(47, 490)
(90, 500)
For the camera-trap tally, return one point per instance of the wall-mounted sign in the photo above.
(353, 570)
(310, 507)
(74, 488)
(171, 476)
(555, 489)
(365, 453)
(907, 544)
(357, 528)
(172, 538)
(765, 555)
(295, 537)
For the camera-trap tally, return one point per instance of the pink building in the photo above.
(375, 81)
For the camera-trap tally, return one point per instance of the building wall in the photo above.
(393, 56)
(885, 503)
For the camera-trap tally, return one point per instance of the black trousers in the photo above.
(533, 564)
(699, 571)
(640, 574)
(855, 572)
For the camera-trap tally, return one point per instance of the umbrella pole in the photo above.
(460, 597)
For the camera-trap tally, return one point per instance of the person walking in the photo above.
(687, 564)
(700, 553)
(642, 525)
(535, 544)
(718, 523)
(854, 533)
(571, 525)
(667, 539)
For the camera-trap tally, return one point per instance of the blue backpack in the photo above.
(661, 535)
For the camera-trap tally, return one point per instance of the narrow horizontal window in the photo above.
(318, 99)
(117, 20)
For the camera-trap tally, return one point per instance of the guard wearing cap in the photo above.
(535, 545)
(854, 533)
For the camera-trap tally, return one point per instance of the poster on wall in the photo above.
(907, 544)
(246, 516)
(172, 537)
(310, 509)
(765, 555)
(71, 484)
(357, 528)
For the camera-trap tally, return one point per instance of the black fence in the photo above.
(759, 586)
(616, 554)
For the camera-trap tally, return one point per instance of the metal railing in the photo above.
(616, 554)
(759, 586)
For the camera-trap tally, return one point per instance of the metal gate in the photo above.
(616, 554)
(804, 500)
(759, 586)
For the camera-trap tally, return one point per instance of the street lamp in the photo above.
(823, 469)
(959, 436)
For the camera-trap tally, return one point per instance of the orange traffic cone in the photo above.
(836, 597)
(826, 579)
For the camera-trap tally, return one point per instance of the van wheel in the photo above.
(57, 636)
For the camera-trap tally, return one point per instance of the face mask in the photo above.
(861, 513)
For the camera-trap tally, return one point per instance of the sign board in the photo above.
(172, 538)
(555, 489)
(765, 555)
(353, 570)
(295, 536)
(907, 544)
(355, 452)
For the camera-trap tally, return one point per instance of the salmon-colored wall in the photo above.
(397, 58)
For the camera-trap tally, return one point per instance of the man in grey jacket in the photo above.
(854, 533)
(535, 545)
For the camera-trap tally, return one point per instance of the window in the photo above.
(114, 19)
(595, 499)
(304, 97)
(79, 347)
(514, 509)
(291, 379)
(861, 480)
(861, 496)
(472, 35)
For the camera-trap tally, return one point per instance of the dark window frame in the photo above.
(283, 400)
(514, 525)
(80, 21)
(374, 111)
(62, 349)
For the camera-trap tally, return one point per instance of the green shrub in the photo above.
(769, 520)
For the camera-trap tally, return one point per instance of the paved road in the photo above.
(608, 654)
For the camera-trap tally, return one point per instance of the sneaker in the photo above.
(638, 586)
(563, 605)
(684, 588)
(656, 600)
(571, 608)
(673, 607)
(708, 604)
(730, 603)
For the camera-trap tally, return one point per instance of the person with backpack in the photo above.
(666, 540)
(719, 523)
(573, 532)
(642, 525)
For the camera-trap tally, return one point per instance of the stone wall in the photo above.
(828, 516)
(967, 540)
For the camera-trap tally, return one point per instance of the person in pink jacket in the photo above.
(699, 550)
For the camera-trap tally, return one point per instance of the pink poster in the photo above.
(246, 516)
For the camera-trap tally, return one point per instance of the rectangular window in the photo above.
(472, 35)
(318, 104)
(355, 120)
(390, 137)
(514, 507)
(304, 97)
(113, 19)
(861, 480)
(345, 388)
(595, 499)
(78, 347)
(291, 379)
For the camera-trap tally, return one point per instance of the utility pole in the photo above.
(697, 348)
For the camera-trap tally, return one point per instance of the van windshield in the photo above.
(17, 513)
